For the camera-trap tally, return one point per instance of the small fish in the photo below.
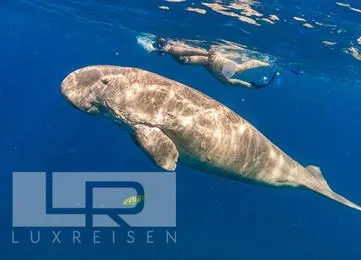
(133, 200)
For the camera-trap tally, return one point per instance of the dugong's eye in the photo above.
(105, 81)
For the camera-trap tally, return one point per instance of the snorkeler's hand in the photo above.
(265, 83)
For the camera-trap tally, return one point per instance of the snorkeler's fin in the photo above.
(292, 70)
(158, 146)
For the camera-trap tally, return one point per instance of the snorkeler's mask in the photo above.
(160, 43)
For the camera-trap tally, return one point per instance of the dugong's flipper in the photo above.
(158, 146)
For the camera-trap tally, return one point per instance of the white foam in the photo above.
(146, 41)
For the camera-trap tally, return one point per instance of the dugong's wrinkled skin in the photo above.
(173, 122)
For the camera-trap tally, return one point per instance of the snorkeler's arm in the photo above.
(182, 49)
(193, 60)
(251, 64)
(239, 83)
(265, 84)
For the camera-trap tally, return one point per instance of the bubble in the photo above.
(278, 81)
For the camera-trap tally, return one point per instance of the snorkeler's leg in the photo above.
(251, 64)
(193, 60)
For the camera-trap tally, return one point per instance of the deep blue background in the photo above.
(315, 118)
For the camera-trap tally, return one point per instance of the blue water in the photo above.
(314, 117)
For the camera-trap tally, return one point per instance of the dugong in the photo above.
(174, 123)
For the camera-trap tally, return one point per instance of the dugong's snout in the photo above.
(79, 88)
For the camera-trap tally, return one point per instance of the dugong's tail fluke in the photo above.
(320, 186)
(332, 195)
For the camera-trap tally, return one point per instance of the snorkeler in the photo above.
(217, 64)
